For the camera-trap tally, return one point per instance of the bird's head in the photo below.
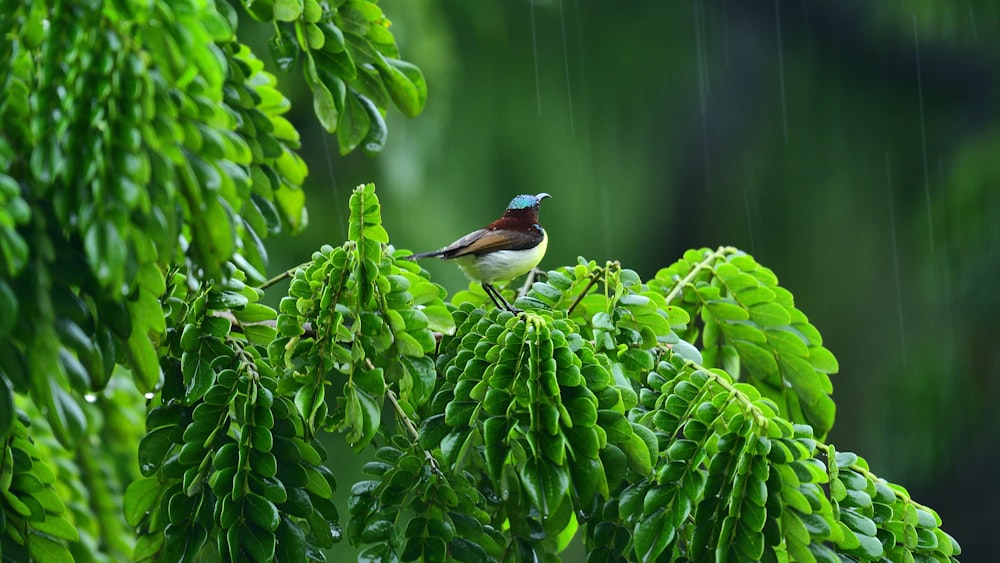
(525, 203)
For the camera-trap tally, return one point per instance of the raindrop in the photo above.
(781, 71)
(746, 206)
(972, 20)
(609, 233)
(704, 88)
(534, 50)
(90, 398)
(149, 395)
(336, 531)
(945, 262)
(725, 30)
(699, 36)
(923, 131)
(569, 88)
(341, 217)
(895, 257)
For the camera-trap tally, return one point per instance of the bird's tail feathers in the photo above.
(431, 254)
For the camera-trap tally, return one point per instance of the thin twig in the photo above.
(719, 253)
(594, 276)
(282, 275)
(240, 328)
(410, 427)
(529, 281)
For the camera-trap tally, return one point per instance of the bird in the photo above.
(504, 250)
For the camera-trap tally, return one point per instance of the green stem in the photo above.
(283, 275)
(759, 417)
(873, 477)
(410, 427)
(711, 258)
(595, 275)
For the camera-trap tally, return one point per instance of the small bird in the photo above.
(503, 250)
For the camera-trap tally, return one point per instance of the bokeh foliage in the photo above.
(876, 205)
(683, 415)
(143, 158)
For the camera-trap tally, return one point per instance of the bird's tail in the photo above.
(431, 254)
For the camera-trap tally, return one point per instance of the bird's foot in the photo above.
(499, 300)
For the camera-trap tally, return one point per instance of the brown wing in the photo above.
(489, 240)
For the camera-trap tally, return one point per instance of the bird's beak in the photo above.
(542, 196)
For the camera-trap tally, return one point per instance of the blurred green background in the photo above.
(852, 146)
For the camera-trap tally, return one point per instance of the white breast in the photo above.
(503, 264)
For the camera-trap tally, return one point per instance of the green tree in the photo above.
(151, 407)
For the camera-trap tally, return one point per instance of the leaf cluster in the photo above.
(143, 157)
(228, 472)
(597, 408)
(371, 319)
(751, 328)
(122, 155)
(350, 62)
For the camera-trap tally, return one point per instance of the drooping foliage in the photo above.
(143, 158)
(152, 408)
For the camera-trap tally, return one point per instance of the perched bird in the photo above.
(503, 250)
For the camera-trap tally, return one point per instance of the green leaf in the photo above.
(769, 315)
(723, 310)
(377, 131)
(681, 450)
(823, 360)
(57, 527)
(653, 534)
(362, 416)
(325, 107)
(105, 252)
(333, 41)
(353, 125)
(287, 10)
(337, 66)
(261, 511)
(255, 313)
(45, 548)
(415, 78)
(786, 342)
(291, 541)
(313, 34)
(153, 449)
(749, 542)
(198, 376)
(422, 376)
(860, 524)
(403, 92)
(817, 525)
(547, 484)
(8, 310)
(317, 484)
(6, 408)
(759, 361)
(640, 449)
(67, 418)
(140, 498)
(870, 546)
(291, 202)
(636, 360)
(145, 365)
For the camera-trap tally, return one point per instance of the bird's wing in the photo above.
(452, 250)
(490, 240)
